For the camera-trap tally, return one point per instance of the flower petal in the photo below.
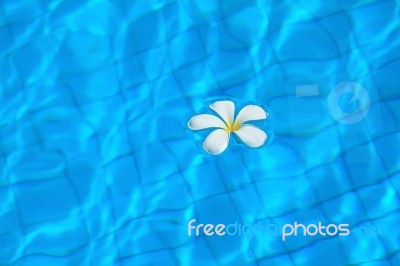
(198, 122)
(249, 113)
(216, 142)
(226, 109)
(251, 135)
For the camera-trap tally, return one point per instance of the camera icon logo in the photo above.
(360, 95)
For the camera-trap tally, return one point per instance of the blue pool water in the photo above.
(98, 167)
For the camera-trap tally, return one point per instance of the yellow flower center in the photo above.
(232, 126)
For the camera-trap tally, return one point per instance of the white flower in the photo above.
(217, 141)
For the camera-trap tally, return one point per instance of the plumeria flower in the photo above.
(226, 123)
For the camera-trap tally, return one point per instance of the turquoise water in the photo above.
(98, 166)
